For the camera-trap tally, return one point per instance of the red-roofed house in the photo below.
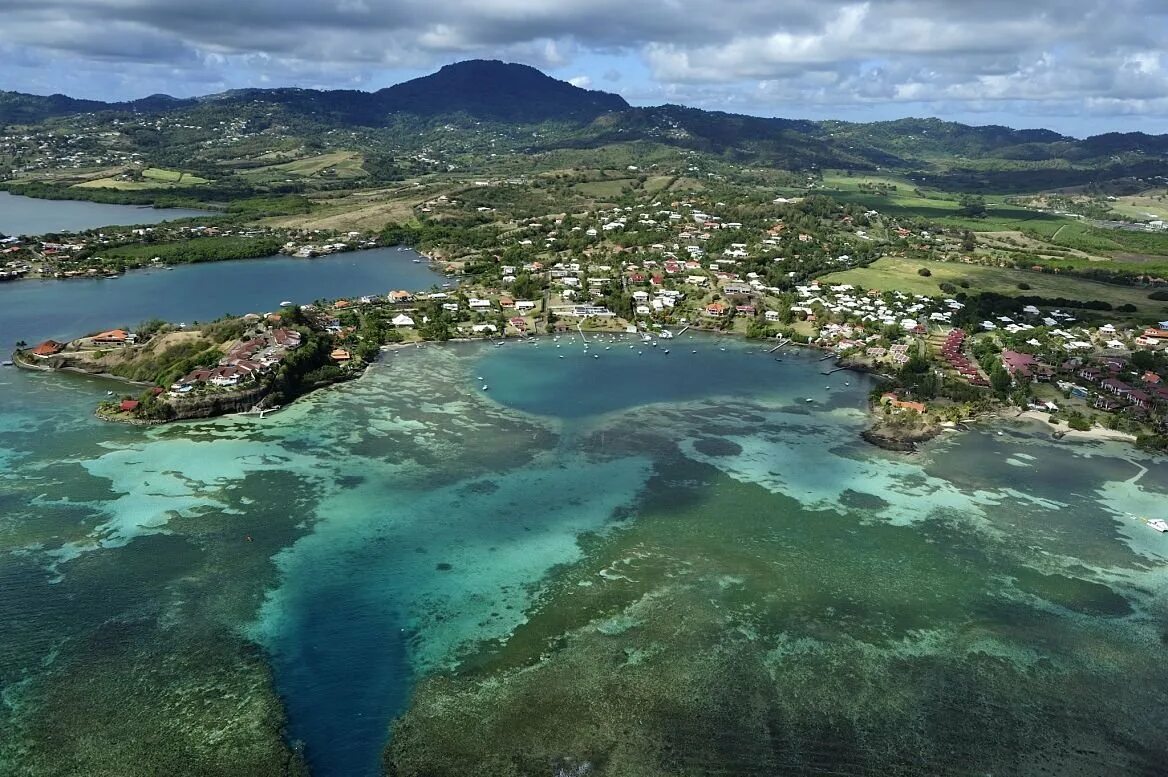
(47, 348)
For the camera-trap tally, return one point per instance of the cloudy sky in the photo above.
(1078, 66)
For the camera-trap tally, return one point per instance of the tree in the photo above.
(972, 206)
(1000, 380)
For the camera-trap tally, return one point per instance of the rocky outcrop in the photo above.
(899, 438)
(214, 404)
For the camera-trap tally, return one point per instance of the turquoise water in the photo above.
(383, 531)
(34, 310)
(32, 216)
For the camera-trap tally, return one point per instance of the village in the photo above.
(664, 266)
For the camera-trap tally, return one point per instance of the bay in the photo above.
(34, 216)
(35, 310)
(991, 604)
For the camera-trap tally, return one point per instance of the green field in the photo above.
(897, 274)
(152, 178)
(604, 189)
(908, 201)
(340, 164)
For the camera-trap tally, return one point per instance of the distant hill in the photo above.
(511, 95)
(481, 89)
(20, 108)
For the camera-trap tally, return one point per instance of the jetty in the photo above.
(261, 411)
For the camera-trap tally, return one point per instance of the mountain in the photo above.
(498, 91)
(510, 99)
(481, 89)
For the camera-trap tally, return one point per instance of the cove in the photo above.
(34, 216)
(35, 310)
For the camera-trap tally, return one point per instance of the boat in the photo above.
(666, 334)
(484, 387)
(1159, 525)
(285, 303)
(417, 261)
(6, 363)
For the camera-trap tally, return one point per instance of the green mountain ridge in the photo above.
(477, 97)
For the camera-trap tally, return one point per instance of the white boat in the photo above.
(285, 303)
(666, 334)
(1159, 525)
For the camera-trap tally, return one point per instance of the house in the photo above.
(129, 405)
(892, 399)
(402, 319)
(484, 328)
(1019, 365)
(47, 348)
(112, 337)
(479, 304)
(772, 315)
(715, 309)
(524, 304)
(400, 296)
(340, 355)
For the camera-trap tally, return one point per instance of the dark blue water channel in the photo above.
(34, 310)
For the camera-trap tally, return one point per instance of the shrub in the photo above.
(1024, 286)
(1159, 296)
(924, 272)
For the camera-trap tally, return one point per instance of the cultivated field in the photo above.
(894, 273)
(151, 178)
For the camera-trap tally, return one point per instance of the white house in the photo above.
(401, 319)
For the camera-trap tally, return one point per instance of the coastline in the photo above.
(1063, 431)
(880, 434)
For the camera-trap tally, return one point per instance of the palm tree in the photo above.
(21, 345)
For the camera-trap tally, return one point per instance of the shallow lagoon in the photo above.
(550, 536)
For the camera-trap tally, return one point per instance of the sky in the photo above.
(1080, 67)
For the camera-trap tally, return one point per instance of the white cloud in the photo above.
(1036, 57)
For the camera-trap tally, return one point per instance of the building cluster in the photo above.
(245, 362)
